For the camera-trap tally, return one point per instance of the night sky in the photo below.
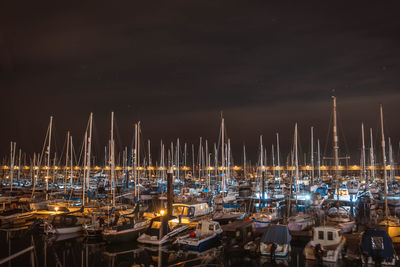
(175, 65)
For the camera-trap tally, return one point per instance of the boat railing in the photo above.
(30, 249)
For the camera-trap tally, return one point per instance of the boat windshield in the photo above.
(156, 225)
(180, 210)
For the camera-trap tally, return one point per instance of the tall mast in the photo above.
(261, 161)
(312, 155)
(278, 157)
(66, 163)
(296, 158)
(199, 156)
(112, 157)
(384, 162)
(71, 160)
(364, 170)
(335, 145)
(12, 161)
(150, 163)
(273, 160)
(184, 159)
(89, 150)
(135, 173)
(228, 177)
(177, 159)
(319, 160)
(223, 153)
(207, 165)
(391, 163)
(19, 164)
(84, 171)
(244, 161)
(215, 162)
(48, 158)
(193, 165)
(138, 151)
(371, 156)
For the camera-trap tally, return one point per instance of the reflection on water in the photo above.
(75, 250)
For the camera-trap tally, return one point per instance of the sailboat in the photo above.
(339, 216)
(125, 227)
(390, 224)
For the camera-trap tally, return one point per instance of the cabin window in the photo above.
(178, 210)
(156, 225)
(330, 236)
(377, 242)
(211, 227)
(321, 235)
(191, 211)
(185, 211)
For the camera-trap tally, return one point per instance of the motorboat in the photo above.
(376, 245)
(205, 234)
(275, 241)
(300, 222)
(340, 216)
(266, 216)
(161, 230)
(327, 244)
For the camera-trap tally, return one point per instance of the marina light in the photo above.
(162, 212)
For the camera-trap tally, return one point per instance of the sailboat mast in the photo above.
(149, 159)
(335, 144)
(278, 157)
(273, 160)
(207, 165)
(66, 163)
(364, 170)
(135, 160)
(371, 156)
(89, 151)
(261, 163)
(71, 160)
(177, 159)
(184, 160)
(384, 162)
(223, 153)
(244, 161)
(12, 161)
(319, 159)
(296, 158)
(48, 158)
(112, 156)
(312, 155)
(391, 163)
(84, 171)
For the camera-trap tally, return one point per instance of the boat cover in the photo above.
(278, 234)
(230, 206)
(377, 243)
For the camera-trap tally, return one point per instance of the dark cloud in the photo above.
(175, 65)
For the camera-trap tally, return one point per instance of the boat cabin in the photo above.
(190, 210)
(207, 228)
(239, 232)
(326, 235)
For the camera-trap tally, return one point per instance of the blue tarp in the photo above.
(301, 208)
(377, 243)
(278, 234)
(229, 206)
